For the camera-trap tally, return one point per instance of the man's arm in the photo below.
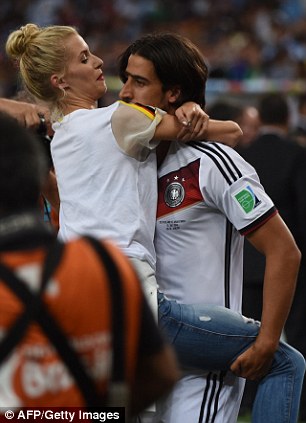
(276, 242)
(27, 114)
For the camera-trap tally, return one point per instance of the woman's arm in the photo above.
(136, 126)
(198, 122)
(225, 131)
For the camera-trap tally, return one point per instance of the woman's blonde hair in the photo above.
(40, 53)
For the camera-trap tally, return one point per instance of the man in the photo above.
(298, 132)
(281, 165)
(51, 293)
(207, 195)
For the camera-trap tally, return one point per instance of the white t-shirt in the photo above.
(206, 201)
(108, 185)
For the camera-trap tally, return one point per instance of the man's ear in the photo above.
(173, 94)
(58, 82)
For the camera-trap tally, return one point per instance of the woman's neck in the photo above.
(71, 107)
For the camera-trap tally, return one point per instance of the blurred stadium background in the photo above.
(251, 46)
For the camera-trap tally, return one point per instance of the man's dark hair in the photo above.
(273, 109)
(22, 167)
(177, 62)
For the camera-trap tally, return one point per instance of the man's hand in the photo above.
(254, 363)
(27, 114)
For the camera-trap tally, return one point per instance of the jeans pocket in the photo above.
(164, 306)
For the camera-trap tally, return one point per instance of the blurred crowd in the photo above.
(241, 39)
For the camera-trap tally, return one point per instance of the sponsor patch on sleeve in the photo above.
(247, 199)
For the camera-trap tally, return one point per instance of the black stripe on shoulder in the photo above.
(222, 160)
(218, 147)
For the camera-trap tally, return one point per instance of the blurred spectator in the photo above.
(249, 123)
(43, 12)
(299, 130)
(281, 166)
(224, 110)
(246, 116)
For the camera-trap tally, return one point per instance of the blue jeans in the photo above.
(210, 337)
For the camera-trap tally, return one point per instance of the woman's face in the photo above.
(83, 79)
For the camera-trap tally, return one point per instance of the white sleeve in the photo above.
(232, 185)
(134, 126)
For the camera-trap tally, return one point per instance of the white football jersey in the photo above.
(208, 197)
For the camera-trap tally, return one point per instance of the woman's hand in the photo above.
(194, 121)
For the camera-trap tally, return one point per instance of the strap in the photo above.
(18, 329)
(116, 291)
(118, 392)
(36, 310)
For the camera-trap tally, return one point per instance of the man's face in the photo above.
(143, 86)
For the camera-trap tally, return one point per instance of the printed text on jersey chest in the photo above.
(172, 225)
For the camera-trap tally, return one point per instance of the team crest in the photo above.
(174, 194)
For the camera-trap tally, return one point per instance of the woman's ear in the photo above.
(58, 82)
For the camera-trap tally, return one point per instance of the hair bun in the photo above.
(18, 40)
